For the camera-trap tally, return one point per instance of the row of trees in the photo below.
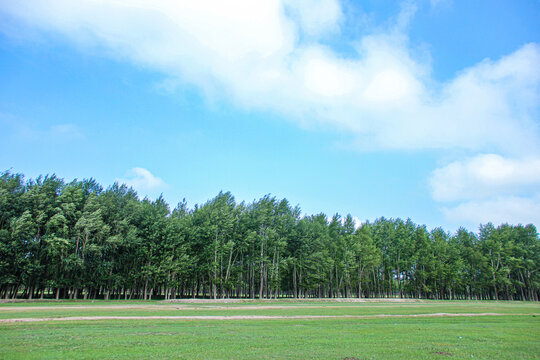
(77, 240)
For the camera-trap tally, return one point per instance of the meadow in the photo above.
(419, 329)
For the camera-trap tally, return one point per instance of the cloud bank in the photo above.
(143, 181)
(489, 188)
(485, 176)
(273, 55)
(498, 210)
(266, 54)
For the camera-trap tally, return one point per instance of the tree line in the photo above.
(77, 240)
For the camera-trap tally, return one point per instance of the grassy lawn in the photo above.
(486, 337)
(123, 308)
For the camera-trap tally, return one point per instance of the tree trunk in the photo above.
(214, 287)
(261, 271)
(295, 286)
(359, 282)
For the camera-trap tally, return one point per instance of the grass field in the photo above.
(270, 330)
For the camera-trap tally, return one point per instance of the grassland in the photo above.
(364, 330)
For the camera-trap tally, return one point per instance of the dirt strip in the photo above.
(246, 301)
(252, 317)
(292, 300)
(186, 307)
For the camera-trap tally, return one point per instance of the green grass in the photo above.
(8, 311)
(486, 337)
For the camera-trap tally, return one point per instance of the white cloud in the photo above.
(326, 78)
(271, 55)
(143, 181)
(253, 53)
(485, 176)
(66, 131)
(357, 222)
(439, 3)
(511, 209)
(315, 17)
(489, 188)
(28, 131)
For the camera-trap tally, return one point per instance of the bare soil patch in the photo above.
(247, 317)
(186, 304)
(179, 307)
(326, 300)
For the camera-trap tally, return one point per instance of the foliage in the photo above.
(77, 240)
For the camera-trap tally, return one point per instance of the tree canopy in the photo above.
(79, 240)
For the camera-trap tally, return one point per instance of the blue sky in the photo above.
(420, 109)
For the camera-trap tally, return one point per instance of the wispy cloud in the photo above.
(485, 176)
(27, 131)
(65, 131)
(489, 188)
(498, 210)
(315, 17)
(143, 181)
(440, 3)
(256, 54)
(274, 55)
(357, 222)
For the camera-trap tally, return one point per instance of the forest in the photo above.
(77, 240)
